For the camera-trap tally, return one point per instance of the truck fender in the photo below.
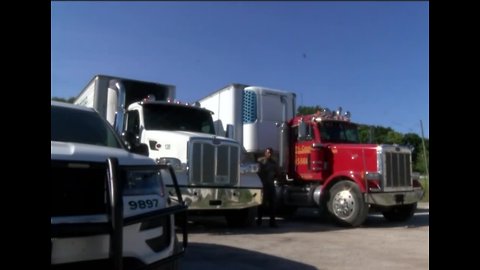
(342, 175)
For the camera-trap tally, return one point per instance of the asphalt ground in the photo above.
(306, 242)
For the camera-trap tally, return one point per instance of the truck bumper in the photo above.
(148, 244)
(394, 198)
(128, 263)
(220, 198)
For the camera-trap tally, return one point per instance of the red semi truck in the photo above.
(324, 164)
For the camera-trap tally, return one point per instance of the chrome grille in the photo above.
(213, 163)
(397, 170)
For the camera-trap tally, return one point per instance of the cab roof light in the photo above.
(327, 114)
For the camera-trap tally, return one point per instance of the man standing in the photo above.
(267, 173)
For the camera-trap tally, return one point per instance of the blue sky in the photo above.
(371, 58)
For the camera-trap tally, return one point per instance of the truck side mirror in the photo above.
(129, 138)
(230, 133)
(132, 142)
(140, 148)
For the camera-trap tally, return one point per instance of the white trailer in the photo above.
(249, 114)
(208, 167)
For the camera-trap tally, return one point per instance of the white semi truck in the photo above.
(109, 207)
(212, 177)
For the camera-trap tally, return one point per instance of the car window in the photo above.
(70, 125)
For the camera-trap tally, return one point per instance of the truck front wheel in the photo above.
(400, 213)
(345, 204)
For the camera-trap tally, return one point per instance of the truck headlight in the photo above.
(372, 176)
(374, 181)
(143, 182)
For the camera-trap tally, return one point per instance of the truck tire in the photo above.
(345, 204)
(241, 218)
(400, 213)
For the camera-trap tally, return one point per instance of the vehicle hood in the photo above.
(185, 135)
(94, 153)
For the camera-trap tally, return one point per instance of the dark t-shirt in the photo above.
(268, 171)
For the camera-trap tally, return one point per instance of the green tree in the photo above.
(415, 142)
(365, 133)
(380, 134)
(420, 165)
(301, 110)
(393, 137)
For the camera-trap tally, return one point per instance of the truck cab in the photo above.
(348, 177)
(109, 207)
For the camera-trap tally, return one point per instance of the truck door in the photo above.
(308, 156)
(132, 127)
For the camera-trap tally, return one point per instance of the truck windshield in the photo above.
(338, 132)
(80, 126)
(172, 117)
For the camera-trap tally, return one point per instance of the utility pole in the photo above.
(424, 151)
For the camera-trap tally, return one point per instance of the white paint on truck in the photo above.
(252, 112)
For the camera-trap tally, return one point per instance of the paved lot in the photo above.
(305, 243)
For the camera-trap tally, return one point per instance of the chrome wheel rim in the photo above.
(343, 204)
